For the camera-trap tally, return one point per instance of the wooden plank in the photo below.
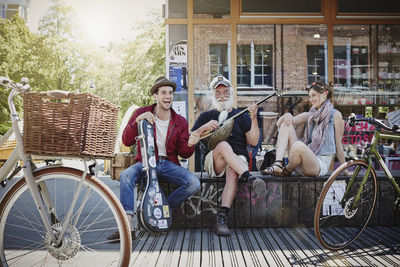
(171, 244)
(145, 255)
(258, 209)
(257, 251)
(151, 251)
(337, 255)
(359, 248)
(193, 211)
(209, 203)
(387, 258)
(270, 248)
(263, 247)
(178, 215)
(324, 256)
(290, 204)
(242, 204)
(307, 203)
(247, 248)
(138, 244)
(283, 246)
(397, 212)
(231, 254)
(190, 248)
(211, 254)
(374, 220)
(274, 203)
(386, 203)
(297, 249)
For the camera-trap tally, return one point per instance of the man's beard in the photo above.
(223, 103)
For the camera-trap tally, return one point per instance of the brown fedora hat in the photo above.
(162, 81)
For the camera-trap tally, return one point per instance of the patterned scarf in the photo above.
(320, 118)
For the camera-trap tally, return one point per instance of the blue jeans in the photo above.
(166, 171)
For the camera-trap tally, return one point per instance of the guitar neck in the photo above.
(258, 103)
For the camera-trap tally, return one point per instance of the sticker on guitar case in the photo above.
(157, 213)
(162, 224)
(149, 210)
(155, 185)
(150, 151)
(152, 222)
(151, 192)
(158, 199)
(150, 141)
(166, 211)
(152, 162)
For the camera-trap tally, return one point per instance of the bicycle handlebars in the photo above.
(21, 87)
(352, 120)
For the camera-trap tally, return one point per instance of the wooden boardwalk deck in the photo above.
(377, 246)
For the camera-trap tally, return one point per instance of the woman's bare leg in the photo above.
(301, 155)
(286, 138)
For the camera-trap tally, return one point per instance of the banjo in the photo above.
(210, 139)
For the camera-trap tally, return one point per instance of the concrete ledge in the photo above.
(290, 202)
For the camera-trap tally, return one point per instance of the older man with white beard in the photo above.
(229, 157)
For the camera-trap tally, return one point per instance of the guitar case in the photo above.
(154, 213)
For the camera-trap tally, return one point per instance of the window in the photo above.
(317, 63)
(254, 65)
(362, 6)
(243, 65)
(282, 6)
(263, 65)
(3, 10)
(219, 60)
(211, 9)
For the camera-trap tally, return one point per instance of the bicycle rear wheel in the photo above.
(339, 217)
(96, 215)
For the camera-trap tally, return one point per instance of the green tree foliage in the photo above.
(64, 61)
(17, 58)
(143, 62)
(57, 57)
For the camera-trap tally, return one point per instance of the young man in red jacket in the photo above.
(171, 139)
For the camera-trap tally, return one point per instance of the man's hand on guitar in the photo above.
(146, 116)
(193, 138)
(208, 127)
(253, 111)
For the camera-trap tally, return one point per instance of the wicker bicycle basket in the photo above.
(79, 126)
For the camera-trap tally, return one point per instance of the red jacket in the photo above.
(176, 142)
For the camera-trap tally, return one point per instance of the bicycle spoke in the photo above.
(343, 210)
(93, 218)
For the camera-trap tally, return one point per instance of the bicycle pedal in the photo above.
(3, 183)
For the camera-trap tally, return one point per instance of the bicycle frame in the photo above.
(40, 196)
(373, 151)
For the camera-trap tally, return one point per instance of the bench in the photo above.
(290, 202)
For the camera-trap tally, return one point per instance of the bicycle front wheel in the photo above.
(96, 215)
(345, 204)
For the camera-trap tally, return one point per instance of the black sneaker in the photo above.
(220, 226)
(115, 236)
(258, 186)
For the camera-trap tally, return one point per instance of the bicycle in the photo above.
(57, 215)
(348, 197)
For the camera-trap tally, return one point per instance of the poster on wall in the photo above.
(178, 65)
(180, 108)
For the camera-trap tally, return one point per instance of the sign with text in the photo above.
(359, 134)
